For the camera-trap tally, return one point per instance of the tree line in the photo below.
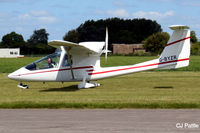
(36, 44)
(129, 31)
(126, 31)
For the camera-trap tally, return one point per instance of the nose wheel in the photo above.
(20, 85)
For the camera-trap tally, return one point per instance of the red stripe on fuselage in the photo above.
(74, 68)
(137, 67)
(178, 41)
(90, 70)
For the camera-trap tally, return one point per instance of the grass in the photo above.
(161, 89)
(8, 65)
(140, 90)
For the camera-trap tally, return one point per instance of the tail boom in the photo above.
(175, 55)
(123, 70)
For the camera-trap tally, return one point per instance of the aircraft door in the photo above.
(65, 73)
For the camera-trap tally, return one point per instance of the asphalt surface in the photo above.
(99, 121)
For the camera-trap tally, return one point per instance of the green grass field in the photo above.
(151, 89)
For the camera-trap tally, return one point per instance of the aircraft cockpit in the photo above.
(49, 61)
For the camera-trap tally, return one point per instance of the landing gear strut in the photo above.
(20, 85)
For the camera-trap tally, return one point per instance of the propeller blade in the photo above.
(106, 43)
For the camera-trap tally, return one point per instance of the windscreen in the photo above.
(50, 61)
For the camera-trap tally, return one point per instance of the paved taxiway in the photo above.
(98, 120)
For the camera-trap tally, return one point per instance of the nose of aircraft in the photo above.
(13, 76)
(10, 76)
(16, 74)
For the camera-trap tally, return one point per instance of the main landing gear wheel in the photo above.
(86, 84)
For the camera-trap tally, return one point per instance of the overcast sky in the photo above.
(60, 16)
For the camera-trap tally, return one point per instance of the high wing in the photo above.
(84, 47)
(58, 43)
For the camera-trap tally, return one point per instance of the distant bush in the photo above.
(195, 48)
(156, 42)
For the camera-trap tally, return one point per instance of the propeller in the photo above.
(106, 44)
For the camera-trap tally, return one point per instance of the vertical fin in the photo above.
(178, 47)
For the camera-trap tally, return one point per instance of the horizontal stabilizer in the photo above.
(178, 27)
(108, 51)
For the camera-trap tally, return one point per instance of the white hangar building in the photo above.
(10, 53)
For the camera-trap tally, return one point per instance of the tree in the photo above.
(72, 36)
(156, 42)
(120, 30)
(37, 44)
(193, 38)
(12, 40)
(38, 37)
(195, 48)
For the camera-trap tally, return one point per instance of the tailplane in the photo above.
(177, 50)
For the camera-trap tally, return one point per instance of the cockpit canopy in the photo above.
(49, 61)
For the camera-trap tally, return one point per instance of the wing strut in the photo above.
(70, 61)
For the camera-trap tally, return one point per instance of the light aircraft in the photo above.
(81, 61)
